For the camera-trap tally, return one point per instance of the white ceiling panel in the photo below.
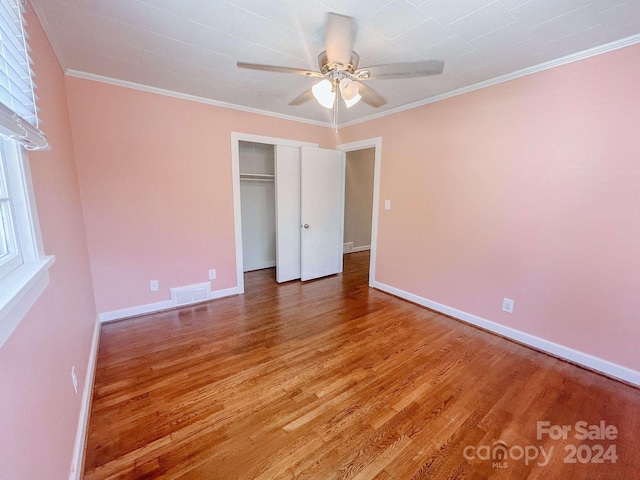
(300, 46)
(523, 50)
(144, 39)
(188, 31)
(396, 18)
(173, 6)
(109, 48)
(582, 40)
(467, 62)
(259, 54)
(482, 21)
(426, 35)
(620, 15)
(447, 11)
(201, 56)
(501, 38)
(573, 22)
(220, 15)
(402, 55)
(133, 12)
(450, 48)
(81, 19)
(536, 12)
(302, 16)
(373, 47)
(623, 32)
(191, 47)
(511, 4)
(260, 30)
(77, 40)
(267, 9)
(357, 8)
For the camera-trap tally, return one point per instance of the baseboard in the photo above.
(85, 406)
(260, 266)
(135, 311)
(158, 306)
(227, 292)
(588, 361)
(363, 248)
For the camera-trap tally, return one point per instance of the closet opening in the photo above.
(258, 205)
(265, 204)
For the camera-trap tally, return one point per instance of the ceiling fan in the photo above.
(338, 69)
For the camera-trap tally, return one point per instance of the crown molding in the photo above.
(191, 98)
(574, 57)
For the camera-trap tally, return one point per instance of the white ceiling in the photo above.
(192, 46)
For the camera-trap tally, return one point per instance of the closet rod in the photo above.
(256, 176)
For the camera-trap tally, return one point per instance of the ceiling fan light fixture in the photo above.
(353, 101)
(324, 93)
(348, 89)
(350, 92)
(338, 71)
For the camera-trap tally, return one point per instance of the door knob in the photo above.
(306, 225)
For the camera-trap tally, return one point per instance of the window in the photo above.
(23, 265)
(10, 252)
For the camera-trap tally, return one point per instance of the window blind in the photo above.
(18, 112)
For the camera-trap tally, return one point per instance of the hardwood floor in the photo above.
(331, 379)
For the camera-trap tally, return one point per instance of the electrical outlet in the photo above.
(212, 274)
(74, 379)
(154, 285)
(387, 204)
(507, 305)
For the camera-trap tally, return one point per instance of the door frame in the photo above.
(236, 138)
(376, 144)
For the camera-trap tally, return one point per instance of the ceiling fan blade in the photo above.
(340, 35)
(370, 96)
(302, 98)
(274, 68)
(401, 70)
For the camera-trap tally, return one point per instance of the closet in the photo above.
(257, 196)
(291, 209)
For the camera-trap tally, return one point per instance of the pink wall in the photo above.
(528, 190)
(155, 177)
(39, 408)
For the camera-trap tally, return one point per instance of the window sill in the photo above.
(19, 291)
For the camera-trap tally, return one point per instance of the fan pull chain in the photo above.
(335, 110)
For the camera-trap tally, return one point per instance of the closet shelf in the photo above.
(256, 176)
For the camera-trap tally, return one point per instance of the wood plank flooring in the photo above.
(333, 380)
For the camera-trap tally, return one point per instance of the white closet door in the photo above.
(287, 169)
(322, 213)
